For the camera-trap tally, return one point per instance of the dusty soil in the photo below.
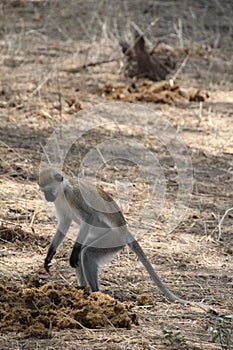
(57, 63)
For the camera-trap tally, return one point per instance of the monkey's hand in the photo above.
(48, 259)
(47, 265)
(75, 255)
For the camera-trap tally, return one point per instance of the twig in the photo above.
(41, 84)
(109, 321)
(64, 279)
(179, 32)
(90, 64)
(33, 218)
(180, 68)
(143, 33)
(78, 323)
(101, 156)
(221, 221)
(200, 110)
(45, 153)
(10, 223)
(19, 218)
(46, 114)
(12, 149)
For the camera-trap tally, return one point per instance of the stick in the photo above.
(180, 68)
(41, 84)
(91, 64)
(221, 221)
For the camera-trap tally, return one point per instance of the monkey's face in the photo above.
(50, 185)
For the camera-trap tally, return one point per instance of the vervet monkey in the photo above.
(103, 230)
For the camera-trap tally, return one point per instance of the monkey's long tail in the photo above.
(135, 246)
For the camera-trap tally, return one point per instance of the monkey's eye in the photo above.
(58, 177)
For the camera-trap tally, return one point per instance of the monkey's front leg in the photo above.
(75, 255)
(48, 258)
(56, 241)
(79, 243)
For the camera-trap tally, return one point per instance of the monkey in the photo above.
(103, 230)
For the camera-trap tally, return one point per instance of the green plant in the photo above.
(222, 331)
(173, 337)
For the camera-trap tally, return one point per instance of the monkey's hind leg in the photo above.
(91, 258)
(81, 280)
(89, 266)
(75, 261)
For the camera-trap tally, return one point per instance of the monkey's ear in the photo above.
(58, 177)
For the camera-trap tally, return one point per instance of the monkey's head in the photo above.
(50, 183)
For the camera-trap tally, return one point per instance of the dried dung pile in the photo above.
(149, 91)
(23, 239)
(39, 309)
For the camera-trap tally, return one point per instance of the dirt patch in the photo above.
(39, 309)
(148, 91)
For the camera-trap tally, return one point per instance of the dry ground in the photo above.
(41, 42)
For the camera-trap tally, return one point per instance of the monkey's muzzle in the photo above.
(49, 196)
